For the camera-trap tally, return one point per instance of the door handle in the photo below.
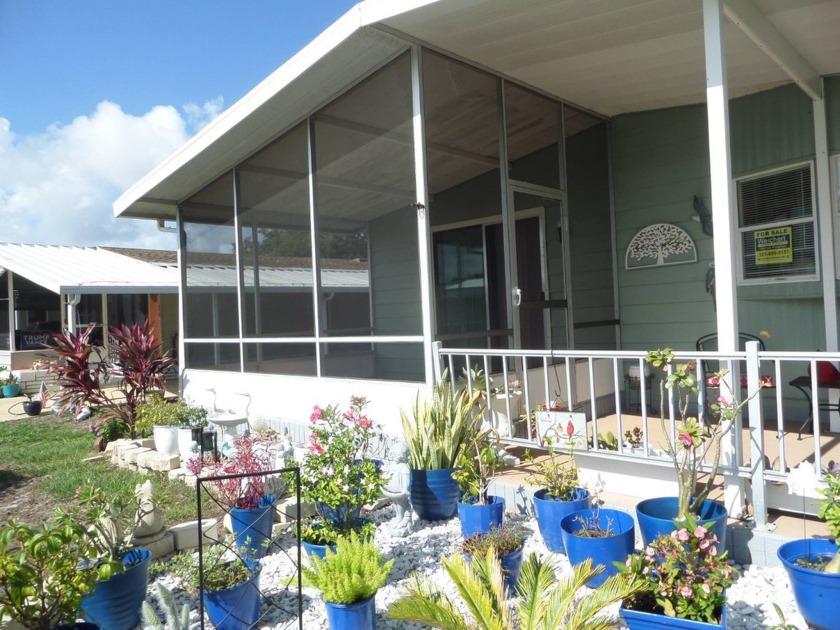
(517, 296)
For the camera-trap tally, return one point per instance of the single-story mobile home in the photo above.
(539, 189)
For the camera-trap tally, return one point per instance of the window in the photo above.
(776, 225)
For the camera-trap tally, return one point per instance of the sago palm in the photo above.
(544, 601)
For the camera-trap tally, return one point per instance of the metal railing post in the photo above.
(756, 435)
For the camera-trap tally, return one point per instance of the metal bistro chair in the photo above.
(709, 343)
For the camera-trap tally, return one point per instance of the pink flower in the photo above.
(706, 588)
(682, 535)
(316, 448)
(364, 423)
(724, 402)
(704, 544)
(685, 591)
(713, 381)
(316, 414)
(712, 550)
(700, 532)
(686, 440)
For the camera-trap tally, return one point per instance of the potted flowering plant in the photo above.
(338, 476)
(697, 442)
(238, 483)
(684, 581)
(10, 384)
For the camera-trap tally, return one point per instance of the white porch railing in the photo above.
(775, 455)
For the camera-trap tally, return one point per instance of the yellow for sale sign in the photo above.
(773, 247)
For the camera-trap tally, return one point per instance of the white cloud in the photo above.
(57, 187)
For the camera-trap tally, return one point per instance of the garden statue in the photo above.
(396, 489)
(149, 519)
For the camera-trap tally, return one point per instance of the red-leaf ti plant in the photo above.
(83, 371)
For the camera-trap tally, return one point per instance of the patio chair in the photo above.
(709, 343)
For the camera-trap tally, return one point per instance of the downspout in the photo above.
(73, 300)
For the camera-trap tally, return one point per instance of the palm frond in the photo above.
(535, 580)
(425, 604)
(588, 612)
(475, 591)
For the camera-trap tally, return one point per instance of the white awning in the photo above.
(85, 270)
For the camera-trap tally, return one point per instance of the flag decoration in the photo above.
(44, 394)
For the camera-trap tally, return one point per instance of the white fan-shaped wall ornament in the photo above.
(658, 245)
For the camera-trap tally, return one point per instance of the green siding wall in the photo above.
(590, 247)
(660, 163)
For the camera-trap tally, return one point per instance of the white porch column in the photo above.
(424, 241)
(73, 300)
(720, 167)
(825, 221)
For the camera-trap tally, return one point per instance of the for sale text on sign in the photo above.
(775, 246)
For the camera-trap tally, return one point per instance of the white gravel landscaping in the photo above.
(750, 599)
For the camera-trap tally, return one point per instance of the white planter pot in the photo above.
(186, 447)
(498, 411)
(166, 440)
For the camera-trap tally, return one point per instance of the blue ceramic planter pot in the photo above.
(602, 551)
(434, 494)
(638, 620)
(254, 524)
(656, 516)
(511, 568)
(312, 549)
(816, 593)
(10, 391)
(115, 604)
(550, 512)
(480, 519)
(235, 608)
(356, 616)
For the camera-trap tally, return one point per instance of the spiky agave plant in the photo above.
(438, 430)
(543, 600)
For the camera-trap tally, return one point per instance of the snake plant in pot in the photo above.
(436, 434)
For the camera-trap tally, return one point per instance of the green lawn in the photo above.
(50, 450)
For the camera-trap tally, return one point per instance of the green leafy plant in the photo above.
(479, 464)
(591, 526)
(108, 428)
(783, 624)
(110, 522)
(41, 581)
(192, 417)
(11, 379)
(501, 540)
(829, 511)
(438, 430)
(223, 567)
(695, 438)
(558, 475)
(83, 371)
(682, 574)
(354, 573)
(542, 601)
(157, 411)
(173, 619)
(607, 441)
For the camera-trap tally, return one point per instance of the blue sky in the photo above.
(94, 93)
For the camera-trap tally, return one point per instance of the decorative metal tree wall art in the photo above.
(660, 244)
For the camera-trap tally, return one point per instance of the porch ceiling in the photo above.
(618, 56)
(609, 56)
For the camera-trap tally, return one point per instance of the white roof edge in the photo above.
(374, 11)
(327, 40)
